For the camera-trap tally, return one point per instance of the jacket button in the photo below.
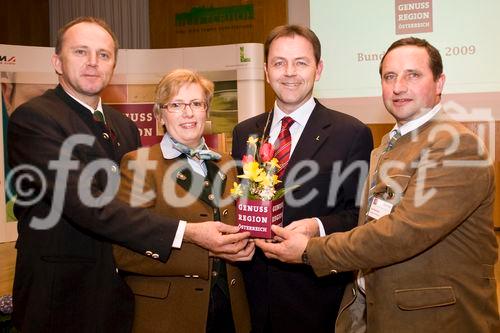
(333, 271)
(233, 282)
(149, 253)
(214, 274)
(225, 212)
(206, 183)
(155, 256)
(105, 136)
(211, 197)
(114, 169)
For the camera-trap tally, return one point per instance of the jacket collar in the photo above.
(202, 187)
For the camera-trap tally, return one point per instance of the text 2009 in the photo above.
(464, 50)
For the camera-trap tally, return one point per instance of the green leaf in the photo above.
(282, 191)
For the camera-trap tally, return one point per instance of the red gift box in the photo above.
(257, 216)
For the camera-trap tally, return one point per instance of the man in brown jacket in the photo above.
(425, 245)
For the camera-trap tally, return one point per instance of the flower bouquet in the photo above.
(258, 203)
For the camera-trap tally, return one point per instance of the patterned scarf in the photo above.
(202, 152)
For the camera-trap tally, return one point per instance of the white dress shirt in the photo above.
(300, 117)
(91, 109)
(416, 123)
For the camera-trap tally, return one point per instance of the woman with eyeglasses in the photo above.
(195, 290)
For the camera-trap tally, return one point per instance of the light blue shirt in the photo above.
(169, 153)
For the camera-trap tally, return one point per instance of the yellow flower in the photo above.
(260, 176)
(236, 190)
(253, 172)
(267, 181)
(252, 140)
(274, 163)
(270, 181)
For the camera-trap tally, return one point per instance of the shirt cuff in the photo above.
(320, 227)
(179, 235)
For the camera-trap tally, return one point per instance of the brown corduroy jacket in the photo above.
(427, 265)
(174, 296)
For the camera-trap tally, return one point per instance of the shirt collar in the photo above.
(91, 109)
(169, 153)
(167, 148)
(300, 116)
(416, 123)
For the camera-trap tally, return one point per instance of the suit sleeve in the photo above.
(35, 139)
(346, 216)
(438, 196)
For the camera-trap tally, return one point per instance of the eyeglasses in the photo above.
(178, 107)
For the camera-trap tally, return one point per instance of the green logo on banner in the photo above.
(210, 15)
(242, 55)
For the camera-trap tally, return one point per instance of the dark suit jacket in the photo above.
(287, 297)
(65, 278)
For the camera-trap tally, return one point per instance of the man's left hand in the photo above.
(289, 249)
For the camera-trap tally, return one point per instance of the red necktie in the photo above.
(285, 144)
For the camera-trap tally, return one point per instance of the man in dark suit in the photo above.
(65, 161)
(324, 144)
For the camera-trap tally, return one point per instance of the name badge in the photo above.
(379, 208)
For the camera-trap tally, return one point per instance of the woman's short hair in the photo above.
(171, 83)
